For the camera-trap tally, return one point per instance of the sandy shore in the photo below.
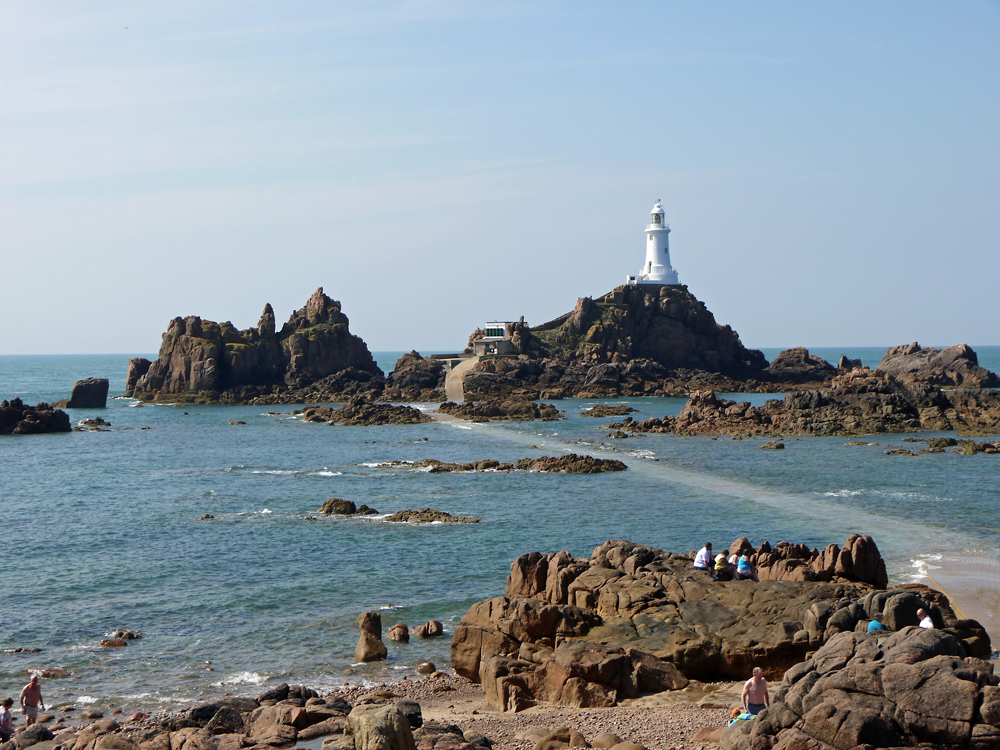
(680, 719)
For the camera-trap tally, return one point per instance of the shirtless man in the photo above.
(754, 697)
(31, 699)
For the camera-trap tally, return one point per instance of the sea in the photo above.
(101, 530)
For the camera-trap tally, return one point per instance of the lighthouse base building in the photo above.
(657, 268)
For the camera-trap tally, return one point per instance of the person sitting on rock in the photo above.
(745, 571)
(875, 625)
(754, 698)
(703, 560)
(723, 570)
(925, 619)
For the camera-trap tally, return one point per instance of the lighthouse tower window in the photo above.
(656, 219)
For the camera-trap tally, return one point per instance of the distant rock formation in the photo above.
(17, 418)
(415, 378)
(428, 515)
(632, 619)
(799, 366)
(635, 340)
(857, 403)
(314, 352)
(571, 463)
(954, 366)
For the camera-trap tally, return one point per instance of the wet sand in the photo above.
(973, 586)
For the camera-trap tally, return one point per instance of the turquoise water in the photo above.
(101, 529)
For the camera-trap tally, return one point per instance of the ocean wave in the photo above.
(325, 473)
(242, 678)
(843, 493)
(86, 699)
(279, 472)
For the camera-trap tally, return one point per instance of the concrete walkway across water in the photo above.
(453, 389)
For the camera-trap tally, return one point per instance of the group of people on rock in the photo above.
(31, 700)
(736, 567)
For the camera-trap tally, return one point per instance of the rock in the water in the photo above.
(498, 410)
(426, 515)
(399, 632)
(90, 393)
(914, 688)
(370, 646)
(952, 366)
(799, 366)
(607, 410)
(570, 464)
(360, 411)
(17, 418)
(339, 507)
(774, 445)
(416, 378)
(430, 629)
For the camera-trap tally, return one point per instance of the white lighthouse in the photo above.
(657, 268)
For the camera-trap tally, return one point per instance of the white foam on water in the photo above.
(265, 512)
(242, 678)
(843, 493)
(86, 699)
(278, 472)
(326, 473)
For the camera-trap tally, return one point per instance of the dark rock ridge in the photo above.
(857, 403)
(360, 412)
(914, 688)
(517, 410)
(955, 366)
(314, 350)
(427, 515)
(17, 418)
(633, 619)
(607, 410)
(568, 464)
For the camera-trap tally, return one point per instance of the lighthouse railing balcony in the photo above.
(658, 226)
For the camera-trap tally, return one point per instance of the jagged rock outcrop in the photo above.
(799, 366)
(18, 418)
(913, 688)
(314, 349)
(952, 366)
(631, 619)
(845, 364)
(512, 409)
(857, 403)
(361, 412)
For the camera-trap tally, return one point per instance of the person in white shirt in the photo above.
(703, 560)
(925, 619)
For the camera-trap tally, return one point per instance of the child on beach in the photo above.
(6, 723)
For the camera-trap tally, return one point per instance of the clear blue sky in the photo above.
(830, 170)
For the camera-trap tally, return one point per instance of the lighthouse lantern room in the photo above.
(657, 268)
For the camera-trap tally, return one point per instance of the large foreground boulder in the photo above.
(952, 366)
(913, 688)
(632, 619)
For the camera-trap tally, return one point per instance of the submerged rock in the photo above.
(426, 515)
(607, 410)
